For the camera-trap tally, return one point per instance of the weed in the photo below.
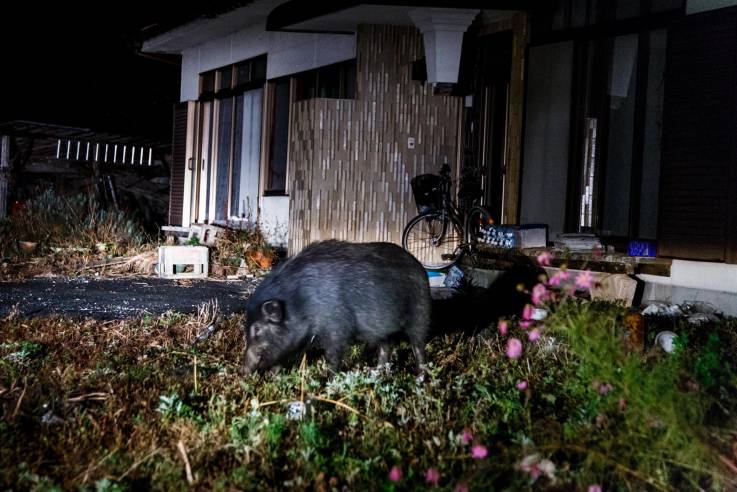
(591, 412)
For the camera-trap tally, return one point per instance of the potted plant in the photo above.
(261, 255)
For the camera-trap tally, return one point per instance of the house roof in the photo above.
(345, 15)
(224, 17)
(33, 129)
(176, 36)
(189, 12)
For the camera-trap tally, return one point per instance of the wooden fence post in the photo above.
(4, 174)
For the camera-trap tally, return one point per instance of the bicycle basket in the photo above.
(427, 192)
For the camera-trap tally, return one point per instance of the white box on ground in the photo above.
(170, 256)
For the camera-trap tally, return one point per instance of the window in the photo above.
(207, 84)
(336, 81)
(229, 141)
(250, 71)
(574, 14)
(276, 173)
(225, 78)
(232, 80)
(594, 113)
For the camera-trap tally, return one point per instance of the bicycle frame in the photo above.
(449, 207)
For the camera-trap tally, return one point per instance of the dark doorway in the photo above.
(486, 115)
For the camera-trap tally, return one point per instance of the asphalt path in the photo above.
(118, 298)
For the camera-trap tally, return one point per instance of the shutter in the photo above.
(178, 164)
(697, 169)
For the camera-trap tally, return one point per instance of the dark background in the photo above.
(78, 65)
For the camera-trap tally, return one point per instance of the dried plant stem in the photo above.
(194, 370)
(302, 374)
(339, 404)
(91, 467)
(137, 464)
(648, 480)
(187, 468)
(20, 399)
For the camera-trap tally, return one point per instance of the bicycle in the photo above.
(439, 236)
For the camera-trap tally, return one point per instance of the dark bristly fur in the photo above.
(335, 293)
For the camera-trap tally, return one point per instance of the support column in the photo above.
(4, 174)
(442, 32)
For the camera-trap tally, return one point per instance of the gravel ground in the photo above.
(118, 298)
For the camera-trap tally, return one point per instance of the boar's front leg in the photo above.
(385, 352)
(334, 350)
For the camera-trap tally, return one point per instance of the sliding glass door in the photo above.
(246, 155)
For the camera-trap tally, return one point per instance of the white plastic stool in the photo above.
(197, 256)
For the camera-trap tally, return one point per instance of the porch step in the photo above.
(171, 256)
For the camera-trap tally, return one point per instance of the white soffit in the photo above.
(349, 19)
(203, 30)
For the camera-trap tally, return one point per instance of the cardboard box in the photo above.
(516, 236)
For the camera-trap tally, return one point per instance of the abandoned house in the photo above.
(609, 116)
(123, 171)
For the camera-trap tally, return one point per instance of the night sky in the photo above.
(77, 65)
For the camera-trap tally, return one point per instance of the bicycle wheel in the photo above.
(434, 240)
(477, 225)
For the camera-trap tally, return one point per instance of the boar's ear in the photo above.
(272, 311)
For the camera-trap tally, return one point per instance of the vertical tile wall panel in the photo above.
(349, 167)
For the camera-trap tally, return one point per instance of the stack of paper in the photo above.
(578, 242)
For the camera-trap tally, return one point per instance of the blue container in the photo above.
(641, 247)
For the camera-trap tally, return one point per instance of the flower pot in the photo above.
(262, 260)
(27, 246)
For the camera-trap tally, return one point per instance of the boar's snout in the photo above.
(250, 364)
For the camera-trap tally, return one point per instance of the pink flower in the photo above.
(527, 312)
(544, 258)
(395, 474)
(514, 348)
(594, 488)
(432, 476)
(525, 324)
(605, 388)
(559, 277)
(503, 326)
(584, 280)
(466, 436)
(522, 385)
(461, 487)
(533, 335)
(535, 466)
(539, 294)
(479, 452)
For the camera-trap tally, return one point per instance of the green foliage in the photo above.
(710, 366)
(593, 412)
(171, 406)
(76, 221)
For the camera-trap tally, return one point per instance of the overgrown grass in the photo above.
(89, 405)
(69, 222)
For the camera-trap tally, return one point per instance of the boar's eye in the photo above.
(272, 311)
(256, 330)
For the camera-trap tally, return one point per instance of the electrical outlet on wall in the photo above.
(411, 143)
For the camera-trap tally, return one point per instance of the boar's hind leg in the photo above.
(417, 333)
(418, 348)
